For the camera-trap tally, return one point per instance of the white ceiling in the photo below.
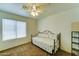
(15, 8)
(51, 8)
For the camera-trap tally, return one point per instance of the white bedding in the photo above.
(45, 43)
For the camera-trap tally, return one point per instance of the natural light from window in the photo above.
(12, 29)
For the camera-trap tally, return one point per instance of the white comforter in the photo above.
(45, 43)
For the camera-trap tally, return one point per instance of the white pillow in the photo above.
(52, 36)
(43, 35)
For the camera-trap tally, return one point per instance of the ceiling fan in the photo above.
(34, 8)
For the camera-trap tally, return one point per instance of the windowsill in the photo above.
(14, 39)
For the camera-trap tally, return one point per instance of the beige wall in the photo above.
(31, 29)
(61, 22)
(75, 26)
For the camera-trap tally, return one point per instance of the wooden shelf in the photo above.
(75, 43)
(75, 49)
(75, 40)
(76, 37)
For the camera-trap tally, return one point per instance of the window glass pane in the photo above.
(21, 29)
(8, 29)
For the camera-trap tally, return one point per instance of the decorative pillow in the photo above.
(52, 36)
(43, 35)
(47, 34)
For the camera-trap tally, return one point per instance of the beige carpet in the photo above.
(29, 50)
(24, 50)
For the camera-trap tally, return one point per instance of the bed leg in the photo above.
(53, 51)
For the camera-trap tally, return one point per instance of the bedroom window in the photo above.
(21, 29)
(12, 29)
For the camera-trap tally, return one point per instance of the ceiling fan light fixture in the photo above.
(33, 8)
(34, 13)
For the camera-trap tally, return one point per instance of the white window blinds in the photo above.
(21, 29)
(12, 29)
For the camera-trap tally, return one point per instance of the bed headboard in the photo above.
(46, 31)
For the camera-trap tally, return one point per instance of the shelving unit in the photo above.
(75, 43)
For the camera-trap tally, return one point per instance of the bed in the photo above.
(47, 41)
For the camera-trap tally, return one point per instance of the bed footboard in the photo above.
(59, 42)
